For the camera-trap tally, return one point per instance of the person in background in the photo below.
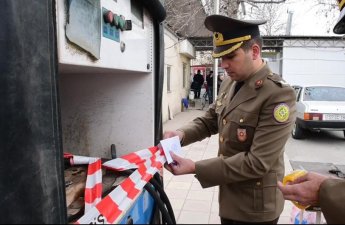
(198, 81)
(209, 80)
(253, 114)
(316, 189)
(220, 79)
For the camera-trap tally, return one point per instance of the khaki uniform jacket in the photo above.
(332, 200)
(251, 146)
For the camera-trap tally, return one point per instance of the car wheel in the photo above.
(297, 131)
(344, 132)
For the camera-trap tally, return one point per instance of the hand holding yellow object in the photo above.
(292, 177)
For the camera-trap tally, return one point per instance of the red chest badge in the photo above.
(241, 134)
(258, 84)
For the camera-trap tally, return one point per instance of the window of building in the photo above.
(168, 78)
(184, 78)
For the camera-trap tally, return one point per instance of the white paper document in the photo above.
(171, 145)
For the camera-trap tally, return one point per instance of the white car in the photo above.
(319, 107)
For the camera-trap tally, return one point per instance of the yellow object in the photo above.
(341, 4)
(291, 177)
(281, 112)
(219, 39)
(233, 48)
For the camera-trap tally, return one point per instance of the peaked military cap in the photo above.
(339, 27)
(229, 34)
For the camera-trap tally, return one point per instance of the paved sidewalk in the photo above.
(191, 203)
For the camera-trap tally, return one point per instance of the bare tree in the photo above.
(276, 21)
(329, 9)
(269, 12)
(229, 8)
(185, 18)
(328, 4)
(265, 1)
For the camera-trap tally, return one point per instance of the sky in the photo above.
(309, 19)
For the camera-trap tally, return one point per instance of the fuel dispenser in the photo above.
(78, 78)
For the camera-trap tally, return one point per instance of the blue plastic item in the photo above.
(142, 210)
(185, 102)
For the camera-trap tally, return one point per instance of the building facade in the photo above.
(177, 73)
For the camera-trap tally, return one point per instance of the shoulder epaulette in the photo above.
(277, 80)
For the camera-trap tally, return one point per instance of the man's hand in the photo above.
(180, 165)
(304, 190)
(169, 134)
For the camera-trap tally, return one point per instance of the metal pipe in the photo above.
(215, 61)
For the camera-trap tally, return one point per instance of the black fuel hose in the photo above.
(165, 214)
(156, 182)
(162, 200)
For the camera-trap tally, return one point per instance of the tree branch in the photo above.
(263, 1)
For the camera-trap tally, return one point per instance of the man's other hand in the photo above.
(180, 165)
(304, 190)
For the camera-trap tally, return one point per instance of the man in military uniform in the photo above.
(253, 114)
(314, 188)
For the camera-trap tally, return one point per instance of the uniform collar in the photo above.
(260, 74)
(257, 79)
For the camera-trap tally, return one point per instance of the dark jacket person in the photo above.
(198, 81)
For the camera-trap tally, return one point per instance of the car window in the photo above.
(297, 91)
(324, 94)
(298, 96)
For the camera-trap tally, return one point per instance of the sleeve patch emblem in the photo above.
(281, 113)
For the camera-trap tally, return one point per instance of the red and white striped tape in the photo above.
(93, 187)
(108, 210)
(132, 160)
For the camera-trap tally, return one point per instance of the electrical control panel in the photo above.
(105, 35)
(106, 75)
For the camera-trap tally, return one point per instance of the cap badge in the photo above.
(218, 38)
(281, 113)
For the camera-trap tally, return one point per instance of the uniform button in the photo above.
(225, 96)
(258, 183)
(224, 121)
(221, 139)
(219, 103)
(241, 120)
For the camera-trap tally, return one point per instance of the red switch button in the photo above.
(108, 17)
